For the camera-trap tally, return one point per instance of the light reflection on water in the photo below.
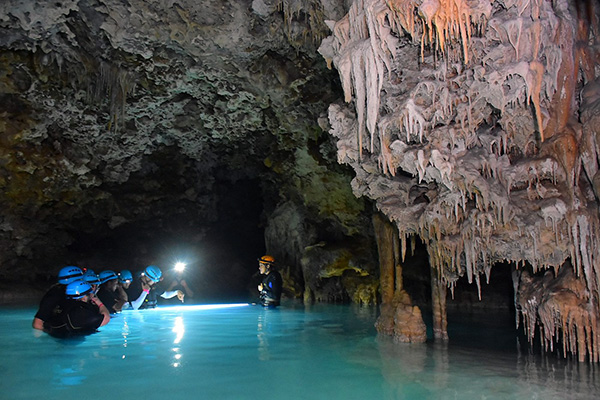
(319, 352)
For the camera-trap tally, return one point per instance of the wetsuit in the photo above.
(73, 317)
(53, 297)
(108, 298)
(270, 295)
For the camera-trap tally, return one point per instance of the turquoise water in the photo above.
(318, 352)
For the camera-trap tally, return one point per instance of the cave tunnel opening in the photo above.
(495, 310)
(497, 294)
(219, 235)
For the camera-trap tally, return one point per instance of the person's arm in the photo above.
(120, 297)
(172, 293)
(122, 294)
(137, 303)
(189, 291)
(47, 305)
(272, 286)
(267, 286)
(118, 306)
(103, 310)
(137, 293)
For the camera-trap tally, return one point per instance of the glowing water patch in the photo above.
(179, 329)
(200, 307)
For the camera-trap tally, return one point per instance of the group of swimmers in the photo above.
(82, 301)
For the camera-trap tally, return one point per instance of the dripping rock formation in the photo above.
(473, 125)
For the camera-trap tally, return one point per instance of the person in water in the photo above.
(124, 281)
(92, 278)
(179, 282)
(271, 286)
(55, 295)
(108, 293)
(79, 313)
(144, 291)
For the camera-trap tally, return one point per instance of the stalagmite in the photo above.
(398, 318)
(494, 136)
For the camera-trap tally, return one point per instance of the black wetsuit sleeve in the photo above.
(108, 298)
(53, 297)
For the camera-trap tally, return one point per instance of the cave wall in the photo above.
(131, 129)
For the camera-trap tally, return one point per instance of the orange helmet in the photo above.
(267, 259)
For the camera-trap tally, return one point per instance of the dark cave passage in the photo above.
(498, 294)
(494, 313)
(495, 310)
(220, 252)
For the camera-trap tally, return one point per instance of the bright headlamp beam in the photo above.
(179, 266)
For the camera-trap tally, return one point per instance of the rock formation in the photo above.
(132, 131)
(471, 124)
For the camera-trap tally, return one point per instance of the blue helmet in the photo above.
(78, 289)
(107, 275)
(69, 274)
(153, 272)
(125, 275)
(91, 277)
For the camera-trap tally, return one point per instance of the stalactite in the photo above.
(488, 137)
(365, 48)
(114, 84)
(403, 16)
(536, 67)
(562, 101)
(565, 312)
(438, 294)
(310, 12)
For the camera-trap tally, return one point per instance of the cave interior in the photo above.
(430, 157)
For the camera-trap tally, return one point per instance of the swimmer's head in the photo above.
(69, 274)
(153, 273)
(78, 290)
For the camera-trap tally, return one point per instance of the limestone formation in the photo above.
(469, 124)
(131, 127)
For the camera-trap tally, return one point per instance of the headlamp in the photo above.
(179, 266)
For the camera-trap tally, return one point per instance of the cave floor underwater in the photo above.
(294, 352)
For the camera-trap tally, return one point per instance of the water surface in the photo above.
(294, 352)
